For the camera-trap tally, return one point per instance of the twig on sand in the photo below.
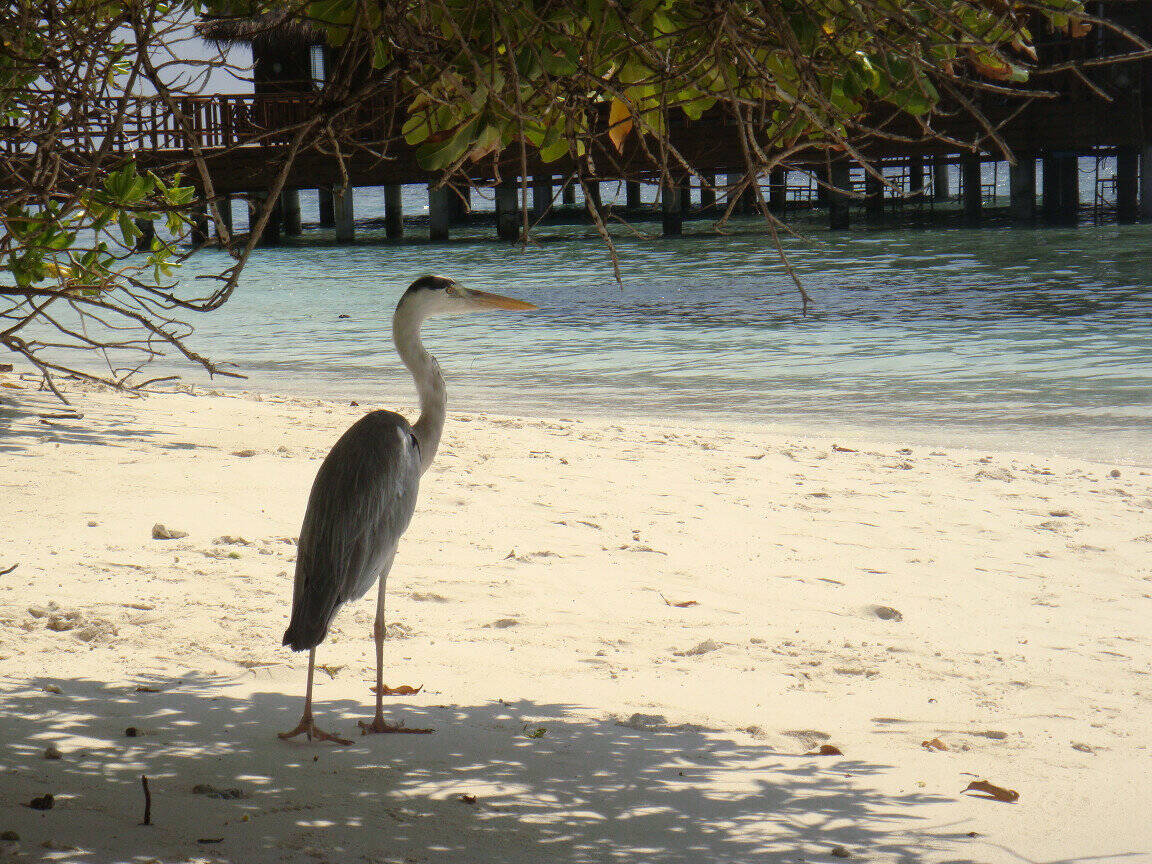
(147, 800)
(9, 570)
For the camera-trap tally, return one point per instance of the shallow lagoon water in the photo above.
(1036, 339)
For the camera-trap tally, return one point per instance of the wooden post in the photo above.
(632, 195)
(224, 208)
(507, 213)
(838, 197)
(1146, 183)
(670, 206)
(593, 189)
(708, 192)
(1127, 185)
(290, 206)
(686, 196)
(1022, 188)
(344, 213)
(1061, 188)
(916, 177)
(748, 200)
(271, 234)
(461, 201)
(439, 215)
(327, 213)
(147, 233)
(393, 211)
(541, 195)
(777, 190)
(970, 170)
(568, 196)
(199, 234)
(873, 194)
(940, 191)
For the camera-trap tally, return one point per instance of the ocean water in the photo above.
(1033, 339)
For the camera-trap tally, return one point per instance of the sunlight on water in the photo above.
(1038, 337)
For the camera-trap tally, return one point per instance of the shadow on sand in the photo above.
(30, 420)
(581, 790)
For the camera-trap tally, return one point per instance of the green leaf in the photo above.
(381, 55)
(553, 150)
(128, 228)
(436, 157)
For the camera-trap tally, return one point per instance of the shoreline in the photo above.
(1122, 446)
(687, 613)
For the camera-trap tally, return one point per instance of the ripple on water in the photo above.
(1040, 334)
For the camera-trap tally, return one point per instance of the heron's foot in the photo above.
(379, 726)
(309, 728)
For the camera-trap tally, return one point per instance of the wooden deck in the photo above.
(243, 136)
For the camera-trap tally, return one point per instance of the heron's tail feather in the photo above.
(309, 624)
(302, 637)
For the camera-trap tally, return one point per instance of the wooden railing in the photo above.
(211, 122)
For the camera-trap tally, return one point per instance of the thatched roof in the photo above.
(276, 30)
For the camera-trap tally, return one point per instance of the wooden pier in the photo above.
(243, 139)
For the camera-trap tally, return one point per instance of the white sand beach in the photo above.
(633, 639)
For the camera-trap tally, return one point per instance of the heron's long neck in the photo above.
(429, 384)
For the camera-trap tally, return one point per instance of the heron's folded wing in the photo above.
(361, 502)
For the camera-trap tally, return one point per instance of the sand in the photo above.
(633, 640)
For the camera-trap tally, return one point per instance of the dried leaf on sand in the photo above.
(402, 690)
(991, 790)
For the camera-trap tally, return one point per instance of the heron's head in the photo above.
(440, 295)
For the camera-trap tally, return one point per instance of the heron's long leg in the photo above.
(306, 726)
(378, 724)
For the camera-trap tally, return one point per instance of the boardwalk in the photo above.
(242, 139)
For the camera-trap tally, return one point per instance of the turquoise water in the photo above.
(1035, 339)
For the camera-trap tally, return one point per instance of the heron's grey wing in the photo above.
(361, 503)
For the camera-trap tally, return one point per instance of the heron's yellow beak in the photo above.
(499, 301)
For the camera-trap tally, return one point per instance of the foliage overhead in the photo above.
(485, 89)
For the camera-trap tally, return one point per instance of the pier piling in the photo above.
(632, 195)
(708, 192)
(874, 193)
(270, 236)
(344, 214)
(199, 234)
(940, 190)
(838, 195)
(972, 183)
(1061, 188)
(541, 195)
(290, 207)
(777, 190)
(1127, 185)
(1146, 183)
(393, 212)
(224, 208)
(507, 213)
(147, 232)
(1022, 188)
(327, 211)
(916, 178)
(439, 204)
(670, 206)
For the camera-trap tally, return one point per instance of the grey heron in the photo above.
(365, 492)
